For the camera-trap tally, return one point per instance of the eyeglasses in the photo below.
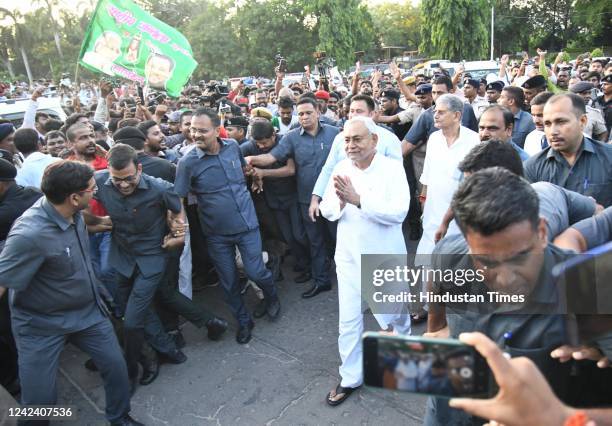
(127, 179)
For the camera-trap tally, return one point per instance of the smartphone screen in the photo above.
(440, 367)
(588, 294)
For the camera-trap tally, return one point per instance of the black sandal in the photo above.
(340, 390)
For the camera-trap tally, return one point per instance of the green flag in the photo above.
(125, 41)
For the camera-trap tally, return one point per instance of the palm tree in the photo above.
(19, 37)
(7, 43)
(56, 36)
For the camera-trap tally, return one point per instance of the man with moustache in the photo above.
(309, 146)
(215, 172)
(536, 140)
(572, 160)
(155, 142)
(279, 193)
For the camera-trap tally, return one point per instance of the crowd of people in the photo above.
(111, 219)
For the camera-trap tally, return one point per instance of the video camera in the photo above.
(281, 63)
(323, 64)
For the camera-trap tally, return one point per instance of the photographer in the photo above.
(524, 397)
(491, 224)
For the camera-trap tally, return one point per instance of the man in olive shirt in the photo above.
(53, 292)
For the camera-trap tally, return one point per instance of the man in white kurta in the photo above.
(445, 150)
(369, 197)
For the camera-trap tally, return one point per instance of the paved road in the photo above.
(281, 377)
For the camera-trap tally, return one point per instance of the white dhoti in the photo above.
(375, 228)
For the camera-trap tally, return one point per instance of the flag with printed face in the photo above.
(125, 41)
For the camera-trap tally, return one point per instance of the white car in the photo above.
(14, 110)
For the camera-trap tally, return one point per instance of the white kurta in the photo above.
(442, 177)
(375, 228)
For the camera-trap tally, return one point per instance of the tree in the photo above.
(214, 44)
(454, 29)
(21, 38)
(593, 25)
(548, 22)
(7, 47)
(56, 36)
(508, 17)
(175, 13)
(267, 28)
(344, 26)
(397, 24)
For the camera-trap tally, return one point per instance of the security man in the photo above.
(138, 206)
(14, 200)
(237, 128)
(213, 171)
(309, 146)
(532, 87)
(54, 295)
(279, 191)
(494, 90)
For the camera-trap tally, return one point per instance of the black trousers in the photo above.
(171, 303)
(200, 260)
(8, 348)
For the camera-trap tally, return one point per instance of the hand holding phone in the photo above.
(524, 397)
(442, 367)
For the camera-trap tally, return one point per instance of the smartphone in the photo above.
(441, 367)
(588, 294)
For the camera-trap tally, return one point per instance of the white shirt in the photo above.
(442, 177)
(533, 142)
(388, 145)
(479, 104)
(282, 128)
(31, 172)
(376, 227)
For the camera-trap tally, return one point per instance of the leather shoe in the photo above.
(126, 421)
(179, 339)
(244, 333)
(91, 365)
(303, 277)
(316, 289)
(273, 308)
(150, 370)
(174, 357)
(216, 327)
(261, 308)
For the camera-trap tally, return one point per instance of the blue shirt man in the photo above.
(513, 99)
(496, 122)
(309, 145)
(213, 171)
(54, 293)
(523, 125)
(280, 194)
